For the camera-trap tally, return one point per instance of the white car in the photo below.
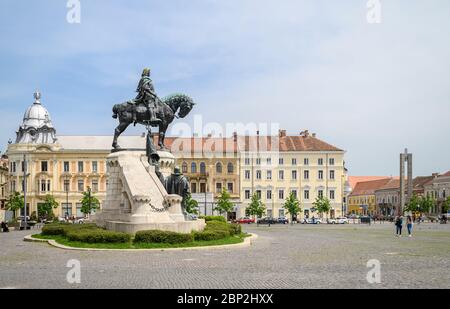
(312, 221)
(340, 220)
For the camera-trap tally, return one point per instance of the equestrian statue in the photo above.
(147, 109)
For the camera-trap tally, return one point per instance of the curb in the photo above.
(246, 243)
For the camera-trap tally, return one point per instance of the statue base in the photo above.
(136, 200)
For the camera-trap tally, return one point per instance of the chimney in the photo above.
(235, 136)
(209, 135)
(282, 133)
(435, 175)
(306, 133)
(257, 132)
(314, 135)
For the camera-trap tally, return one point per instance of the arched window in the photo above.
(184, 168)
(230, 168)
(219, 168)
(203, 168)
(193, 168)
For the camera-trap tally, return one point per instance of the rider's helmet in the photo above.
(146, 72)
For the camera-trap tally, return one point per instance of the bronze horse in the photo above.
(166, 111)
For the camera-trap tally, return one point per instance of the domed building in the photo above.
(37, 127)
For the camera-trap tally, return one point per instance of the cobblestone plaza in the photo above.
(298, 256)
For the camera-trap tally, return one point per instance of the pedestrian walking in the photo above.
(399, 226)
(409, 225)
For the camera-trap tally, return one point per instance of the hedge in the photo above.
(98, 236)
(215, 218)
(210, 235)
(235, 229)
(155, 236)
(64, 228)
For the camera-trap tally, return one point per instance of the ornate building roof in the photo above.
(37, 127)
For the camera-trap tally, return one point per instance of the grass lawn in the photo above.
(130, 245)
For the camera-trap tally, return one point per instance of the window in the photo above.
(269, 175)
(203, 187)
(306, 174)
(219, 168)
(194, 187)
(218, 187)
(230, 187)
(306, 161)
(281, 194)
(230, 168)
(193, 168)
(44, 166)
(94, 166)
(258, 174)
(269, 161)
(320, 161)
(247, 161)
(294, 161)
(306, 194)
(49, 186)
(331, 161)
(281, 161)
(66, 167)
(294, 175)
(66, 209)
(320, 175)
(281, 175)
(66, 185)
(80, 167)
(247, 194)
(269, 194)
(332, 195)
(332, 174)
(281, 213)
(184, 168)
(80, 185)
(258, 161)
(294, 192)
(94, 185)
(203, 168)
(320, 193)
(247, 174)
(258, 194)
(13, 186)
(43, 186)
(13, 167)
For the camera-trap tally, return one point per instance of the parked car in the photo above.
(339, 220)
(283, 220)
(246, 220)
(312, 221)
(267, 220)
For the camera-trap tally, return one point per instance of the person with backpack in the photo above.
(399, 226)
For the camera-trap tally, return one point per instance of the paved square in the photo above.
(282, 257)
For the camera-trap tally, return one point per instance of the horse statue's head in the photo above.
(181, 103)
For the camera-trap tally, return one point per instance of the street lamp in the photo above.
(67, 188)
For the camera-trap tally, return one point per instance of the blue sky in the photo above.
(371, 89)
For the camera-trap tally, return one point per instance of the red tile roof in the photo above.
(353, 180)
(369, 187)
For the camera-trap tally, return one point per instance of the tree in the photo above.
(256, 207)
(15, 202)
(446, 205)
(45, 210)
(414, 204)
(191, 205)
(224, 204)
(426, 204)
(322, 205)
(292, 206)
(89, 203)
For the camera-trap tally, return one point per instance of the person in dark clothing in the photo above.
(399, 226)
(5, 227)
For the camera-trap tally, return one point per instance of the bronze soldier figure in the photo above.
(147, 96)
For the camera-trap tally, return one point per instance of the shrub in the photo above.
(210, 235)
(98, 236)
(217, 226)
(215, 218)
(53, 229)
(235, 229)
(155, 236)
(64, 228)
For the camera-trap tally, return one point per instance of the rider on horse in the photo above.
(146, 96)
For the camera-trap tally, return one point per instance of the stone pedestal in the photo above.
(136, 200)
